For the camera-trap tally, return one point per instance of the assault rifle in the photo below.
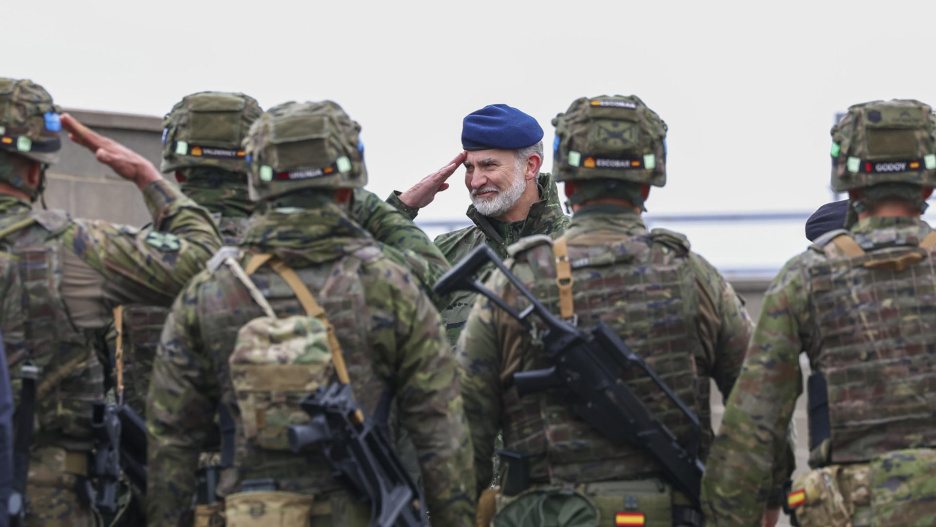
(104, 462)
(18, 501)
(133, 446)
(361, 455)
(591, 365)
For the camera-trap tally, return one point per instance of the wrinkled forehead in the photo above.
(494, 156)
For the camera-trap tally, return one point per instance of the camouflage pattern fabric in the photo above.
(493, 345)
(140, 266)
(391, 336)
(883, 338)
(545, 217)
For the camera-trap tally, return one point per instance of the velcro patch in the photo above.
(606, 162)
(887, 167)
(164, 241)
(309, 173)
(182, 148)
(630, 105)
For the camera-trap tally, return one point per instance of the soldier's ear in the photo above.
(532, 166)
(342, 196)
(34, 174)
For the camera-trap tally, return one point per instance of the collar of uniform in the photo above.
(593, 218)
(11, 204)
(316, 234)
(876, 232)
(544, 212)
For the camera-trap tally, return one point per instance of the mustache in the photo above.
(477, 191)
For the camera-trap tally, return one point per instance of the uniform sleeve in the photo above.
(725, 328)
(149, 266)
(479, 365)
(180, 413)
(741, 470)
(409, 245)
(431, 410)
(6, 439)
(395, 201)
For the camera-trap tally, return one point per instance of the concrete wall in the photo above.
(88, 189)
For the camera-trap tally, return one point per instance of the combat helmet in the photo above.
(884, 142)
(207, 129)
(606, 137)
(29, 127)
(304, 145)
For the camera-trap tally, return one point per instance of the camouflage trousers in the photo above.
(51, 489)
(897, 488)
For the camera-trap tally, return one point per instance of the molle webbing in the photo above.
(875, 316)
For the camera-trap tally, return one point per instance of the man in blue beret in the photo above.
(510, 197)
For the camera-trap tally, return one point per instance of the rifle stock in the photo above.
(591, 365)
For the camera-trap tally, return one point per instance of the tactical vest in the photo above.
(340, 291)
(142, 326)
(71, 378)
(875, 318)
(643, 288)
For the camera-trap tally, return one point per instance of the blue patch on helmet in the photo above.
(249, 159)
(52, 122)
(556, 144)
(165, 134)
(360, 145)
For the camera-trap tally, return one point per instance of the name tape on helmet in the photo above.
(856, 165)
(184, 149)
(630, 105)
(343, 164)
(576, 159)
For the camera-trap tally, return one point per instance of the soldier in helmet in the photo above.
(302, 249)
(69, 275)
(859, 304)
(669, 304)
(510, 198)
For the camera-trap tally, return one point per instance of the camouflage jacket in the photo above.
(75, 273)
(493, 345)
(393, 341)
(545, 217)
(757, 415)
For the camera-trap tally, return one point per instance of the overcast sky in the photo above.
(748, 89)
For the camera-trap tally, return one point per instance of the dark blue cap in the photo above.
(828, 217)
(500, 126)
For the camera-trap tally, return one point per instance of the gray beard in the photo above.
(503, 201)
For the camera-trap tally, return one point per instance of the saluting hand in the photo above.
(125, 162)
(425, 191)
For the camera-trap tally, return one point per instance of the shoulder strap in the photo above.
(929, 241)
(312, 309)
(847, 244)
(564, 277)
(118, 352)
(16, 227)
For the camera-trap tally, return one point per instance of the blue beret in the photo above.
(500, 126)
(829, 217)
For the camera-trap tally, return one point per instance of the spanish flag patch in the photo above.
(629, 518)
(795, 499)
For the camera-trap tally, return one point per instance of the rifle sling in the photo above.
(564, 277)
(118, 352)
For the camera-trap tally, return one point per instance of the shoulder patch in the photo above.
(164, 241)
(529, 242)
(671, 239)
(822, 241)
(222, 254)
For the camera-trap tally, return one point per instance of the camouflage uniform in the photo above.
(867, 326)
(545, 217)
(69, 274)
(669, 305)
(388, 329)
